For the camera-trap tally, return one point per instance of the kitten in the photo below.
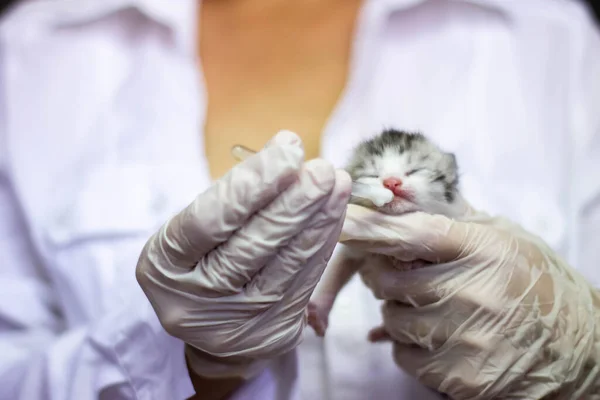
(421, 177)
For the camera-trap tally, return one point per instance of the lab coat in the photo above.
(102, 107)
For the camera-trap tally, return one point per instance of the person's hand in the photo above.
(232, 273)
(490, 312)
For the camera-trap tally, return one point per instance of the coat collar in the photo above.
(32, 17)
(179, 16)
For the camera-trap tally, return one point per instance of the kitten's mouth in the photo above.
(402, 202)
(402, 199)
(402, 195)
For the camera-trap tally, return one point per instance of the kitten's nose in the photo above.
(392, 183)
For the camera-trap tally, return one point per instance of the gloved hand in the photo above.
(232, 273)
(496, 314)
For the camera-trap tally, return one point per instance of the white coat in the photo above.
(101, 115)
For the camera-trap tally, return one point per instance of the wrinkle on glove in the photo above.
(497, 315)
(231, 274)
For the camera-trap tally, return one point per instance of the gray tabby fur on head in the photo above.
(429, 175)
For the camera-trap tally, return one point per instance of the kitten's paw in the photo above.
(379, 334)
(317, 318)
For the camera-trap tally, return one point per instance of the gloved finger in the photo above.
(233, 264)
(226, 206)
(276, 277)
(417, 235)
(379, 334)
(287, 320)
(463, 369)
(416, 282)
(307, 279)
(281, 315)
(454, 315)
(285, 137)
(420, 363)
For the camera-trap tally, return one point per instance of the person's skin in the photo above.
(272, 65)
(269, 65)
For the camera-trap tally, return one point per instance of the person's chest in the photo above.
(271, 68)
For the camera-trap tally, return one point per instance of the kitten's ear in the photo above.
(451, 159)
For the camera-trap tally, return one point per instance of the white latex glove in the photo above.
(232, 273)
(499, 314)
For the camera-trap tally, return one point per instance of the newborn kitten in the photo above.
(421, 176)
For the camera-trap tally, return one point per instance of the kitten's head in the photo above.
(421, 176)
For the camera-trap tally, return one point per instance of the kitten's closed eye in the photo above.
(413, 171)
(370, 175)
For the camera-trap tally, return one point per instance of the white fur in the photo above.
(427, 196)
